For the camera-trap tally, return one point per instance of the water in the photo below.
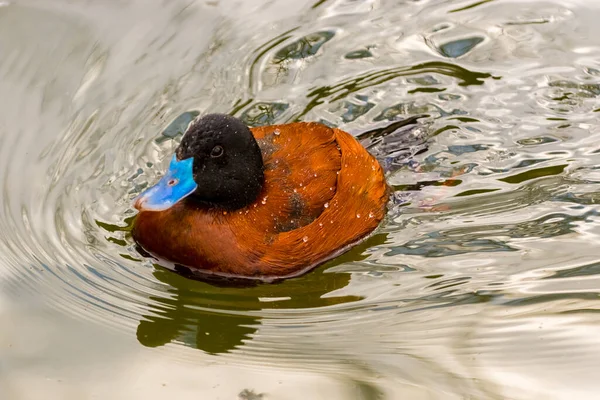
(485, 285)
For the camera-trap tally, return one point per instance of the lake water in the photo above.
(483, 284)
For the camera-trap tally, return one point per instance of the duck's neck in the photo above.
(241, 195)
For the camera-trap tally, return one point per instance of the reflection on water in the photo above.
(218, 316)
(216, 319)
(481, 283)
(180, 318)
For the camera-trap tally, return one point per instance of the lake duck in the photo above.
(261, 203)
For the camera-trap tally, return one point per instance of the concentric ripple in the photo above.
(495, 218)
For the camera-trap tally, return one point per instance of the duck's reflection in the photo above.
(212, 332)
(218, 317)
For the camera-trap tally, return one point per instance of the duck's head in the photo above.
(217, 163)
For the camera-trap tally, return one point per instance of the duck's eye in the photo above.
(217, 151)
(173, 182)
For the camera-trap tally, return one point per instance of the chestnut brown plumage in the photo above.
(322, 192)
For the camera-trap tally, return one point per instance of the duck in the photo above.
(263, 203)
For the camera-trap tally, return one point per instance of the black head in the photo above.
(228, 164)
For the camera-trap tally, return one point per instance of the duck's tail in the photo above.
(395, 144)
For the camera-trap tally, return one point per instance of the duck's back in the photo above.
(322, 193)
(301, 165)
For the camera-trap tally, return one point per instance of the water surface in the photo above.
(483, 284)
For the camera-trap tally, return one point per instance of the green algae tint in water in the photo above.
(481, 283)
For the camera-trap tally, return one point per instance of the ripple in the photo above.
(263, 113)
(459, 47)
(303, 47)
